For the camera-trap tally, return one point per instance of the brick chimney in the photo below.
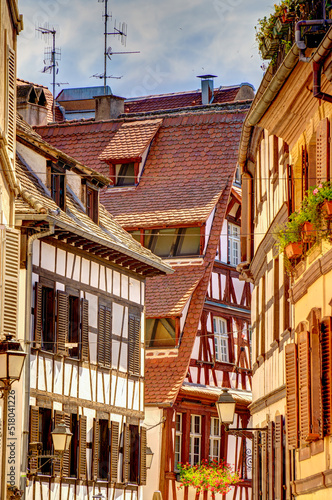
(108, 107)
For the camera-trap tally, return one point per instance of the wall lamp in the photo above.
(61, 438)
(226, 410)
(149, 456)
(12, 359)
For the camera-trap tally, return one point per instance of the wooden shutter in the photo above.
(101, 336)
(315, 371)
(126, 453)
(271, 463)
(142, 462)
(34, 437)
(10, 281)
(322, 151)
(11, 85)
(82, 447)
(290, 188)
(246, 217)
(264, 478)
(38, 313)
(304, 168)
(108, 338)
(62, 322)
(279, 458)
(304, 386)
(256, 468)
(292, 395)
(84, 329)
(95, 450)
(326, 373)
(114, 451)
(134, 347)
(58, 417)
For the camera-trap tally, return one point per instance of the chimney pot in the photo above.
(207, 88)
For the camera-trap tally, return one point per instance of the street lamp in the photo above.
(61, 437)
(226, 410)
(149, 456)
(12, 359)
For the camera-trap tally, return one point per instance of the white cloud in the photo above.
(177, 40)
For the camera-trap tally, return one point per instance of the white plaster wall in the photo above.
(75, 183)
(223, 243)
(47, 260)
(36, 162)
(152, 417)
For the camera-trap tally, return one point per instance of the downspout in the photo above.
(25, 436)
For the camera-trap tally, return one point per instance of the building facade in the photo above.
(172, 165)
(82, 283)
(284, 154)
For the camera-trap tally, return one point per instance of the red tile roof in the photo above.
(164, 376)
(130, 141)
(192, 156)
(166, 298)
(178, 100)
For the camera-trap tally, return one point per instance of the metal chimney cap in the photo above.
(206, 77)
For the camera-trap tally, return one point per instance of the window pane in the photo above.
(188, 241)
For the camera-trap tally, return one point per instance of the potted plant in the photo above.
(289, 235)
(210, 475)
(319, 202)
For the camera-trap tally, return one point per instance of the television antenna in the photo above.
(120, 31)
(51, 57)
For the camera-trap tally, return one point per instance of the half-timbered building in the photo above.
(285, 151)
(174, 187)
(82, 310)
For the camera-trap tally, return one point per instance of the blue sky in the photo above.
(177, 40)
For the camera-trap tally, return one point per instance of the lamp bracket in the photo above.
(245, 432)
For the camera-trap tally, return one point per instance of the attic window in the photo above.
(92, 202)
(160, 332)
(58, 185)
(174, 242)
(124, 174)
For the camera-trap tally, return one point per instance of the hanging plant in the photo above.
(209, 475)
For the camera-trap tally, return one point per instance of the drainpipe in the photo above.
(25, 438)
(299, 42)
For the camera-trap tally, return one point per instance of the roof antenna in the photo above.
(51, 57)
(121, 32)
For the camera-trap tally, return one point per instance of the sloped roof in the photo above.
(189, 162)
(178, 100)
(166, 298)
(130, 141)
(164, 376)
(191, 158)
(34, 199)
(26, 134)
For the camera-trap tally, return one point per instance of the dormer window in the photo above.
(125, 174)
(92, 203)
(58, 185)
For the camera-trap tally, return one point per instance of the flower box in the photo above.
(327, 209)
(293, 250)
(280, 28)
(308, 232)
(272, 44)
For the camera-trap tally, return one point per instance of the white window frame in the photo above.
(195, 439)
(215, 438)
(178, 439)
(233, 244)
(220, 339)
